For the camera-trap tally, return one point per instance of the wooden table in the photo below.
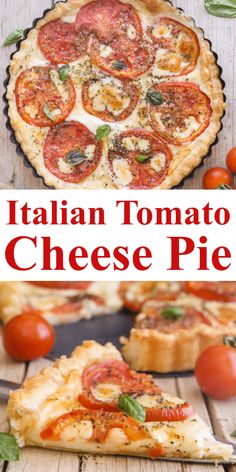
(21, 13)
(220, 415)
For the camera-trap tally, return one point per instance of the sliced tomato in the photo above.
(109, 19)
(75, 306)
(177, 413)
(124, 159)
(126, 59)
(110, 99)
(103, 422)
(64, 138)
(135, 294)
(62, 285)
(218, 291)
(180, 44)
(61, 43)
(37, 96)
(152, 318)
(184, 113)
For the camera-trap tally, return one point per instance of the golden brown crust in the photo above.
(186, 158)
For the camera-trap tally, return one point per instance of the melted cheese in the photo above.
(109, 94)
(122, 171)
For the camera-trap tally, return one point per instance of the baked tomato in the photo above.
(216, 372)
(179, 111)
(139, 160)
(177, 47)
(218, 291)
(135, 294)
(42, 99)
(76, 304)
(71, 152)
(62, 285)
(27, 337)
(61, 43)
(231, 160)
(215, 177)
(110, 99)
(102, 378)
(109, 19)
(125, 58)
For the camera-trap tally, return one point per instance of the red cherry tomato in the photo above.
(27, 337)
(216, 372)
(231, 160)
(216, 176)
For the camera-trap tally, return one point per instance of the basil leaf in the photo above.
(13, 37)
(64, 72)
(142, 158)
(154, 97)
(230, 341)
(9, 450)
(119, 65)
(132, 408)
(172, 313)
(75, 158)
(47, 112)
(223, 187)
(223, 8)
(102, 132)
(233, 435)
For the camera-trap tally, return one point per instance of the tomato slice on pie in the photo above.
(139, 160)
(177, 47)
(182, 114)
(110, 99)
(71, 152)
(102, 378)
(61, 43)
(42, 99)
(135, 294)
(62, 285)
(122, 58)
(218, 291)
(109, 19)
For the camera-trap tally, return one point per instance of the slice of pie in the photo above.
(92, 402)
(59, 302)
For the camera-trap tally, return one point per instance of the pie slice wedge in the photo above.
(80, 404)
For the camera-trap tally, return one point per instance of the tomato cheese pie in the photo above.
(59, 302)
(115, 94)
(92, 402)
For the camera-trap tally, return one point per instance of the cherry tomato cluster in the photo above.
(219, 177)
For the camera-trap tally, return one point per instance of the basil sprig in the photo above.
(75, 158)
(223, 187)
(132, 408)
(13, 37)
(154, 97)
(223, 8)
(172, 313)
(64, 73)
(9, 450)
(102, 132)
(48, 112)
(119, 65)
(230, 341)
(142, 158)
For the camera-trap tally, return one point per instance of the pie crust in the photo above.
(186, 157)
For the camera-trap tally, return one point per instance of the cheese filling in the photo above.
(108, 94)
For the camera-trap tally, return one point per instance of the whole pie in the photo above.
(115, 94)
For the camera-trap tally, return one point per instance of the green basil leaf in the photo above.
(64, 72)
(75, 158)
(223, 8)
(132, 408)
(47, 112)
(13, 37)
(102, 132)
(119, 65)
(172, 313)
(230, 341)
(142, 158)
(223, 187)
(9, 450)
(154, 97)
